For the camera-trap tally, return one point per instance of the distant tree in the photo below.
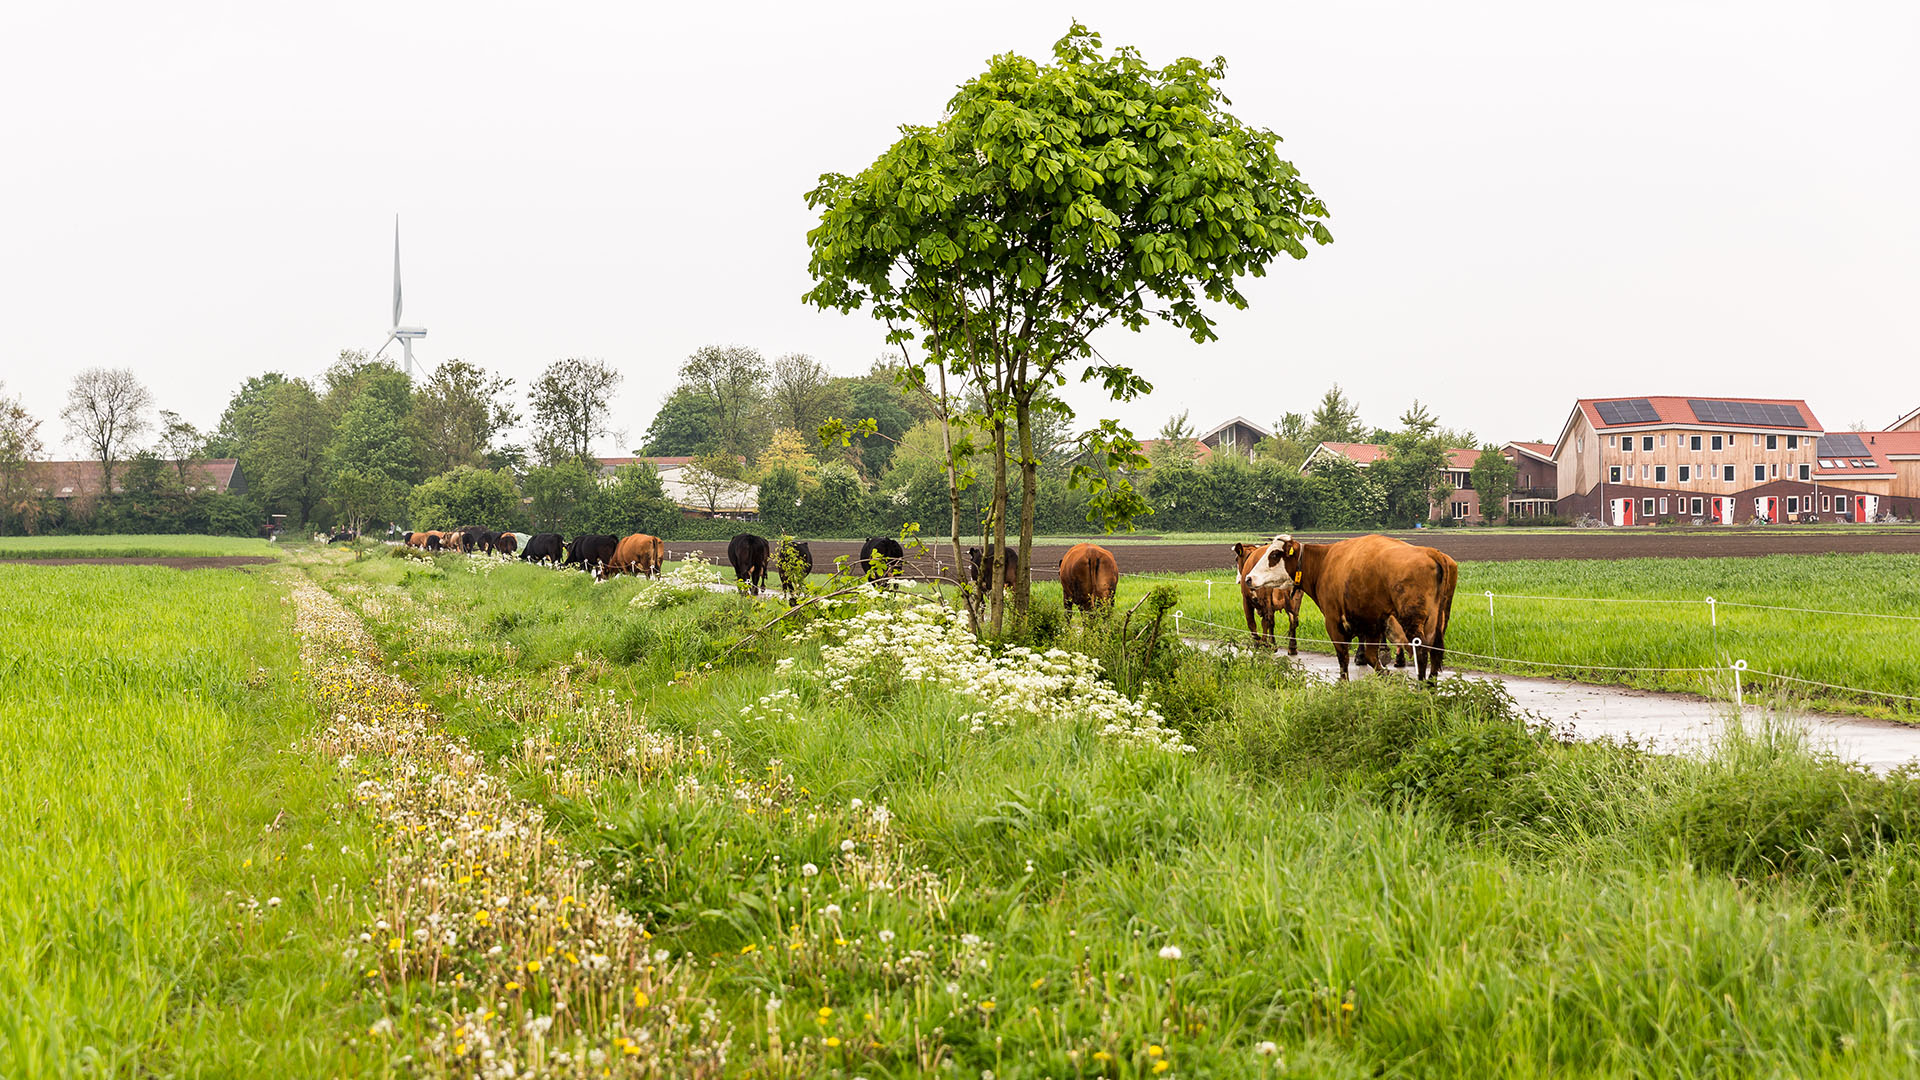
(287, 464)
(1413, 467)
(1493, 476)
(789, 451)
(245, 414)
(800, 392)
(180, 443)
(632, 502)
(457, 414)
(20, 448)
(572, 406)
(466, 496)
(833, 507)
(106, 409)
(713, 477)
(1335, 420)
(555, 491)
(347, 377)
(734, 379)
(1288, 446)
(1346, 496)
(780, 500)
(892, 414)
(371, 461)
(687, 424)
(1176, 446)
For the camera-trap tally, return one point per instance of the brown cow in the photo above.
(1088, 577)
(1266, 602)
(1371, 589)
(638, 554)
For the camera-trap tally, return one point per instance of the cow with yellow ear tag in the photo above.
(1373, 590)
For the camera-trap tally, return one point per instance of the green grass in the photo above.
(1489, 901)
(151, 814)
(1652, 613)
(82, 547)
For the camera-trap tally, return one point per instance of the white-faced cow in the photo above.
(1372, 589)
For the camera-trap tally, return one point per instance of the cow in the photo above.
(795, 562)
(1267, 602)
(344, 536)
(521, 540)
(415, 540)
(543, 547)
(436, 540)
(749, 555)
(638, 554)
(1372, 589)
(505, 543)
(1088, 577)
(592, 552)
(977, 569)
(880, 558)
(473, 539)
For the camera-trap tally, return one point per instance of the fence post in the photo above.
(1177, 616)
(1413, 654)
(1738, 667)
(1493, 631)
(1713, 613)
(1209, 590)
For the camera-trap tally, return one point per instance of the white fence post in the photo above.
(1713, 613)
(1493, 631)
(1177, 616)
(1209, 590)
(1738, 667)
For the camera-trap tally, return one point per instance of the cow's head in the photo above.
(1239, 560)
(1277, 566)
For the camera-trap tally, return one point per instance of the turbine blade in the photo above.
(383, 347)
(396, 269)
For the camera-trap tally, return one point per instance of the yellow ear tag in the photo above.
(1296, 577)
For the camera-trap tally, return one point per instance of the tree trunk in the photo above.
(997, 522)
(1029, 496)
(953, 500)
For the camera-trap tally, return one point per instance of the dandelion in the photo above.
(1170, 952)
(831, 911)
(832, 1041)
(1266, 1049)
(847, 846)
(273, 901)
(1102, 1055)
(639, 998)
(808, 870)
(1162, 1066)
(886, 937)
(1155, 1050)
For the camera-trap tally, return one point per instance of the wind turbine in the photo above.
(405, 334)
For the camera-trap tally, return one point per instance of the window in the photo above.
(1646, 507)
(1579, 444)
(1643, 472)
(1826, 503)
(1613, 474)
(1693, 443)
(1626, 445)
(1719, 442)
(1806, 471)
(1612, 439)
(1773, 442)
(1663, 504)
(1698, 506)
(1773, 472)
(1826, 463)
(1793, 504)
(1659, 474)
(1756, 439)
(1759, 472)
(1686, 473)
(1646, 442)
(1728, 474)
(1793, 442)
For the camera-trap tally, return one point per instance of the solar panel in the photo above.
(1749, 413)
(1629, 411)
(1844, 444)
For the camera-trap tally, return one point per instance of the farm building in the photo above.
(1536, 479)
(1638, 461)
(1463, 505)
(1201, 453)
(74, 479)
(1909, 422)
(733, 499)
(1236, 436)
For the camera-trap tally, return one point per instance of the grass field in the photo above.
(81, 547)
(1363, 879)
(170, 898)
(1651, 613)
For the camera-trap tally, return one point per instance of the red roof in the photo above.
(65, 479)
(1365, 453)
(1537, 449)
(1675, 410)
(1201, 451)
(1879, 447)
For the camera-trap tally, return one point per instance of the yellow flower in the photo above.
(1154, 1051)
(513, 985)
(1346, 1006)
(1161, 1066)
(986, 1006)
(533, 965)
(639, 998)
(825, 1011)
(839, 941)
(1102, 1055)
(747, 948)
(1036, 984)
(833, 1040)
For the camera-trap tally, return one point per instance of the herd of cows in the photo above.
(1375, 592)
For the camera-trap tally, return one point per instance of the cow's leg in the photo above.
(1267, 638)
(1293, 625)
(1246, 608)
(1337, 633)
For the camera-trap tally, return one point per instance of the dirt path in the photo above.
(1678, 723)
(178, 562)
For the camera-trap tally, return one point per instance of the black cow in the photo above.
(344, 536)
(749, 555)
(886, 564)
(544, 547)
(977, 569)
(795, 562)
(505, 543)
(473, 539)
(592, 552)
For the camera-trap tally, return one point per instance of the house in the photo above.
(1462, 505)
(1236, 436)
(738, 499)
(1536, 480)
(1866, 474)
(1631, 461)
(72, 479)
(1909, 422)
(1202, 453)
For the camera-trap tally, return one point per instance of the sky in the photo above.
(1530, 202)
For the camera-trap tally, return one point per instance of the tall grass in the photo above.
(129, 546)
(1376, 879)
(169, 899)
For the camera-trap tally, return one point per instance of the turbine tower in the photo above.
(405, 334)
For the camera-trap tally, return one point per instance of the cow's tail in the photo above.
(1446, 574)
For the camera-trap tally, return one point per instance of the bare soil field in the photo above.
(1462, 545)
(178, 562)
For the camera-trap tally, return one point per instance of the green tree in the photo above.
(371, 460)
(685, 425)
(1335, 419)
(245, 415)
(1493, 476)
(286, 467)
(1051, 201)
(347, 377)
(572, 406)
(879, 398)
(734, 379)
(631, 501)
(180, 443)
(106, 409)
(1176, 445)
(1413, 466)
(554, 492)
(457, 414)
(20, 448)
(1288, 446)
(713, 478)
(780, 500)
(800, 393)
(466, 495)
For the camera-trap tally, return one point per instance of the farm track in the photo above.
(1462, 545)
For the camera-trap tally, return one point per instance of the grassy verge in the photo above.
(127, 547)
(884, 875)
(171, 902)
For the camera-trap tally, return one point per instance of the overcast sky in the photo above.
(1531, 202)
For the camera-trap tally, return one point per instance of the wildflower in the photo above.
(986, 1006)
(1155, 1050)
(1161, 1066)
(273, 901)
(1170, 952)
(639, 998)
(1346, 1006)
(533, 965)
(833, 1041)
(826, 1011)
(831, 911)
(1266, 1049)
(847, 846)
(808, 870)
(1102, 1055)
(886, 936)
